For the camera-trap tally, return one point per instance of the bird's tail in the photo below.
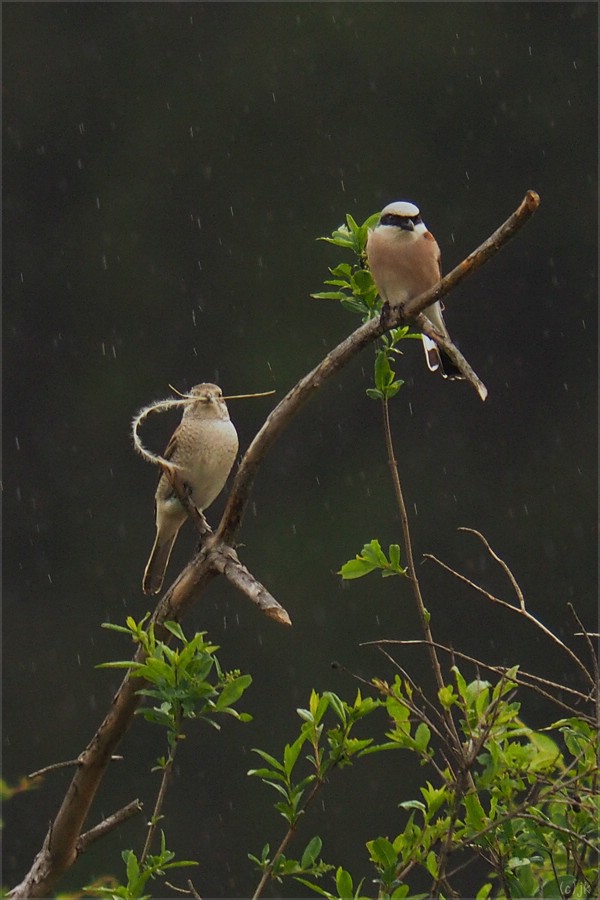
(438, 360)
(156, 567)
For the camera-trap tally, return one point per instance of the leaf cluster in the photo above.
(139, 873)
(329, 747)
(178, 678)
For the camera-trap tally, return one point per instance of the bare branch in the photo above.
(501, 562)
(226, 561)
(54, 767)
(455, 355)
(109, 824)
(502, 671)
(514, 609)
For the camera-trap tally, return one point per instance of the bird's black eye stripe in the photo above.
(399, 221)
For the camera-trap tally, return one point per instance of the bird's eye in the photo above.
(417, 220)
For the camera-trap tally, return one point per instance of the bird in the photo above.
(203, 449)
(405, 260)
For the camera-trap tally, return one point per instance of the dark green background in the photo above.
(167, 169)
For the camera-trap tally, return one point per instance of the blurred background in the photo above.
(167, 170)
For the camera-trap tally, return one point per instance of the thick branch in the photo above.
(226, 561)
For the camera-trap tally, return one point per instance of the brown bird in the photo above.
(405, 261)
(203, 448)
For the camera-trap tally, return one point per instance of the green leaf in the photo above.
(175, 629)
(394, 552)
(232, 691)
(422, 737)
(269, 759)
(356, 568)
(328, 295)
(431, 864)
(476, 817)
(343, 883)
(291, 753)
(311, 852)
(383, 371)
(382, 852)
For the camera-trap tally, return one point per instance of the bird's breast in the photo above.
(402, 266)
(207, 466)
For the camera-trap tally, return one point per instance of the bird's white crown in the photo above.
(401, 208)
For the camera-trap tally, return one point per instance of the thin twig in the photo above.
(109, 824)
(499, 670)
(286, 839)
(193, 890)
(65, 764)
(160, 799)
(520, 610)
(500, 562)
(54, 767)
(412, 574)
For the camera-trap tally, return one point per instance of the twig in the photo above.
(411, 570)
(65, 764)
(108, 824)
(286, 839)
(501, 562)
(498, 670)
(54, 767)
(193, 890)
(520, 610)
(160, 799)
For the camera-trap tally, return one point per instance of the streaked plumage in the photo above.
(203, 447)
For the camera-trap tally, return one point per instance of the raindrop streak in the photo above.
(17, 444)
